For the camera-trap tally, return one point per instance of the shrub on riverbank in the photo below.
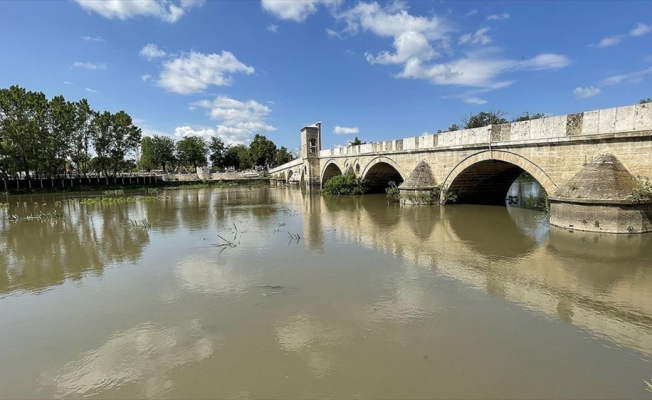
(348, 184)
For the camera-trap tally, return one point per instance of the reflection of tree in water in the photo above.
(194, 208)
(489, 231)
(37, 254)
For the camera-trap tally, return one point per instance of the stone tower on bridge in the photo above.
(310, 148)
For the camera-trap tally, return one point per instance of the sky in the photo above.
(378, 70)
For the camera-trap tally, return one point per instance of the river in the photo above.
(279, 293)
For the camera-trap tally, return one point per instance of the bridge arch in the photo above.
(485, 177)
(331, 169)
(380, 171)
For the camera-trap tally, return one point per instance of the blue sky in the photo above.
(378, 70)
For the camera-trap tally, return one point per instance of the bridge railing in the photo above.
(285, 166)
(633, 118)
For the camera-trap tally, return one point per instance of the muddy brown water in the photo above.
(306, 297)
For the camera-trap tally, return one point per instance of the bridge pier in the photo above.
(599, 199)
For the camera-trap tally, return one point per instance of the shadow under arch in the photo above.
(331, 170)
(485, 177)
(290, 173)
(489, 231)
(380, 171)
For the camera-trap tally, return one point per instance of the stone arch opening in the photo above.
(290, 173)
(331, 171)
(379, 173)
(486, 178)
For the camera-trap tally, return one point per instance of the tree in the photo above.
(644, 101)
(483, 119)
(80, 142)
(147, 155)
(62, 121)
(283, 156)
(526, 117)
(356, 142)
(192, 151)
(262, 150)
(23, 128)
(238, 157)
(217, 152)
(453, 128)
(114, 136)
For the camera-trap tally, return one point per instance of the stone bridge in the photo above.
(586, 162)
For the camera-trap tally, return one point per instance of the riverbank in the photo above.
(102, 186)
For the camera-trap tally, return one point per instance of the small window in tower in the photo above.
(313, 146)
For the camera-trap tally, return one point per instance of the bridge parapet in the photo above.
(634, 118)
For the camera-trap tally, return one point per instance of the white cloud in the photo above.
(392, 22)
(92, 39)
(194, 72)
(479, 69)
(478, 37)
(89, 90)
(472, 12)
(166, 10)
(68, 83)
(272, 28)
(238, 121)
(333, 33)
(610, 41)
(474, 100)
(632, 77)
(494, 17)
(545, 61)
(409, 45)
(146, 77)
(343, 130)
(89, 65)
(296, 10)
(640, 30)
(151, 51)
(583, 93)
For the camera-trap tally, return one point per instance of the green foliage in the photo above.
(392, 192)
(440, 192)
(645, 101)
(356, 142)
(238, 156)
(192, 151)
(114, 136)
(526, 117)
(157, 151)
(45, 138)
(348, 184)
(262, 151)
(642, 193)
(217, 151)
(484, 118)
(283, 156)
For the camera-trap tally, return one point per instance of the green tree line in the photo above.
(190, 152)
(46, 138)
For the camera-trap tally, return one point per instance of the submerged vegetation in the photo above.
(347, 184)
(642, 193)
(422, 197)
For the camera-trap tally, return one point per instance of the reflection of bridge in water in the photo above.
(596, 282)
(587, 162)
